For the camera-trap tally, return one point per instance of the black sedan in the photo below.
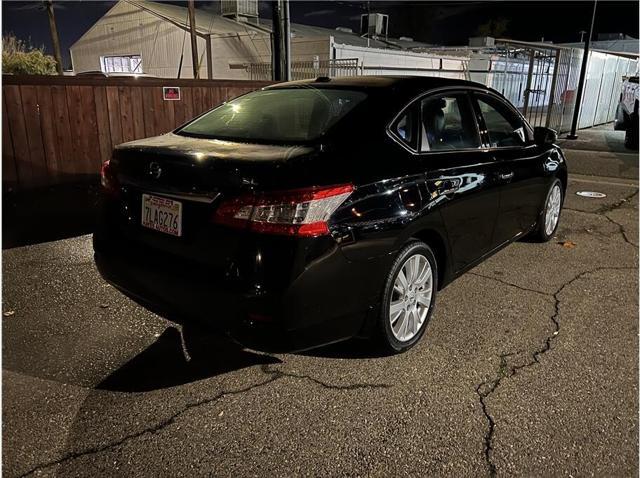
(315, 211)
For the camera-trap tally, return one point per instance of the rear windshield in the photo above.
(282, 115)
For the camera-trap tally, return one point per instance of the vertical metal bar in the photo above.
(583, 74)
(275, 43)
(527, 90)
(209, 58)
(537, 85)
(286, 20)
(542, 88)
(595, 113)
(547, 74)
(522, 74)
(556, 70)
(506, 68)
(566, 88)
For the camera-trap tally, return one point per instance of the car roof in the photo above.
(380, 82)
(395, 89)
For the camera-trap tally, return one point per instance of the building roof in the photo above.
(627, 45)
(206, 22)
(209, 23)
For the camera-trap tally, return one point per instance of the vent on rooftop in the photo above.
(374, 25)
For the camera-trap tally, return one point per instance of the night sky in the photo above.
(446, 23)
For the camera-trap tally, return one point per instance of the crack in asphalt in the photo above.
(274, 375)
(608, 208)
(621, 229)
(354, 386)
(510, 284)
(486, 388)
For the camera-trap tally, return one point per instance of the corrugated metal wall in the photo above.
(603, 87)
(126, 30)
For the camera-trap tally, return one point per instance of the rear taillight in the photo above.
(108, 179)
(300, 212)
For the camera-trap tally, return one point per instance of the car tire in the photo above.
(401, 328)
(544, 231)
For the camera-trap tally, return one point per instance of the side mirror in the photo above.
(543, 136)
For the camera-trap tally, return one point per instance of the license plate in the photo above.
(162, 214)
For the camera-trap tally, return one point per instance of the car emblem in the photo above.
(154, 170)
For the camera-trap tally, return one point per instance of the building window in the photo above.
(121, 64)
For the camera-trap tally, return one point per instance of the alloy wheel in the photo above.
(553, 210)
(411, 297)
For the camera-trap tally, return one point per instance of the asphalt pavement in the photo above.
(528, 367)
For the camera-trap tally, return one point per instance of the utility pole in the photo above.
(583, 74)
(276, 41)
(194, 40)
(280, 45)
(55, 39)
(582, 32)
(368, 20)
(286, 20)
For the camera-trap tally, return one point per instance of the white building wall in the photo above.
(129, 30)
(126, 30)
(376, 61)
(232, 52)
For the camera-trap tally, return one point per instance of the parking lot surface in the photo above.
(529, 366)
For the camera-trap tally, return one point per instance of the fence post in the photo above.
(583, 74)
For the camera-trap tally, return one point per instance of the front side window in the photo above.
(281, 115)
(448, 123)
(504, 127)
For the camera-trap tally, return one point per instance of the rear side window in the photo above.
(281, 115)
(504, 127)
(448, 123)
(406, 128)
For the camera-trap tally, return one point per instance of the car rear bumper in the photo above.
(327, 302)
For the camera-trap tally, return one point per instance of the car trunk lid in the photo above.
(200, 174)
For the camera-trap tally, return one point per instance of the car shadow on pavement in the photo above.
(171, 362)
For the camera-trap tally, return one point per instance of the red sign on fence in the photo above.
(171, 92)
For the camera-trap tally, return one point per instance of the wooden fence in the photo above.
(60, 129)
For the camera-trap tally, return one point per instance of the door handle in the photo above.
(447, 186)
(506, 176)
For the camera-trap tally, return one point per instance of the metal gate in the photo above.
(539, 80)
(542, 80)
